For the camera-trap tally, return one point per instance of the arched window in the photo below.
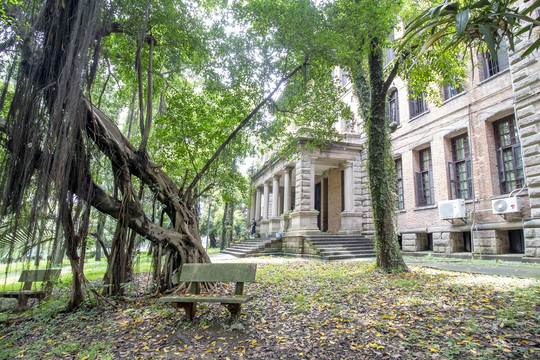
(392, 107)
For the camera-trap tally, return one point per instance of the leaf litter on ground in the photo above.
(307, 309)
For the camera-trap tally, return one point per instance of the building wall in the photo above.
(514, 91)
(473, 113)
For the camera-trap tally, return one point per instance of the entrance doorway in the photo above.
(318, 203)
(467, 247)
(515, 242)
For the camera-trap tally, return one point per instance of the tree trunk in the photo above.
(129, 255)
(102, 220)
(38, 254)
(72, 242)
(227, 223)
(213, 242)
(380, 169)
(223, 226)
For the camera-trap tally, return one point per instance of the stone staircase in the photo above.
(255, 247)
(341, 247)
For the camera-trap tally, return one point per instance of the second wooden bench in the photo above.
(28, 277)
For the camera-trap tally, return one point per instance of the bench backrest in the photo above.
(30, 276)
(218, 273)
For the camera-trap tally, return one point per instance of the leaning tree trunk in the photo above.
(380, 169)
(102, 221)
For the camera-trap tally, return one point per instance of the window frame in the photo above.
(393, 99)
(424, 180)
(417, 106)
(400, 195)
(490, 67)
(451, 91)
(454, 167)
(514, 148)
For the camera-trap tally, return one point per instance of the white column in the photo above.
(265, 201)
(324, 205)
(312, 187)
(348, 187)
(287, 191)
(252, 207)
(275, 196)
(258, 205)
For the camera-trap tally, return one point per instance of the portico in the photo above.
(319, 191)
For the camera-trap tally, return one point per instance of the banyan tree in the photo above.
(71, 66)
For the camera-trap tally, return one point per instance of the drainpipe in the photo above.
(472, 179)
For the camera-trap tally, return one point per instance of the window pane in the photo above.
(460, 149)
(509, 159)
(504, 134)
(427, 187)
(425, 160)
(461, 174)
(399, 176)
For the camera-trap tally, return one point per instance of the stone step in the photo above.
(345, 248)
(335, 237)
(234, 253)
(352, 252)
(340, 243)
(342, 247)
(249, 247)
(349, 256)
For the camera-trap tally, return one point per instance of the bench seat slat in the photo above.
(27, 293)
(218, 272)
(207, 298)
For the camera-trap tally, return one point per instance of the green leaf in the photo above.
(462, 19)
(480, 4)
(432, 39)
(531, 48)
(488, 37)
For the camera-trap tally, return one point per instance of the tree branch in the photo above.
(105, 251)
(241, 126)
(394, 71)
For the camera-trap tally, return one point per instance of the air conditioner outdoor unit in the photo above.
(452, 209)
(505, 206)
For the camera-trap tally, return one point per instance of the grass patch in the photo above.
(494, 262)
(93, 270)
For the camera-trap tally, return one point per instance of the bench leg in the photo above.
(22, 301)
(190, 309)
(234, 309)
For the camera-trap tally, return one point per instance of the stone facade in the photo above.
(526, 79)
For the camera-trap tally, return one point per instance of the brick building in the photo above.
(468, 171)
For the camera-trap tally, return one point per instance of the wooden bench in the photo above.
(28, 277)
(195, 274)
